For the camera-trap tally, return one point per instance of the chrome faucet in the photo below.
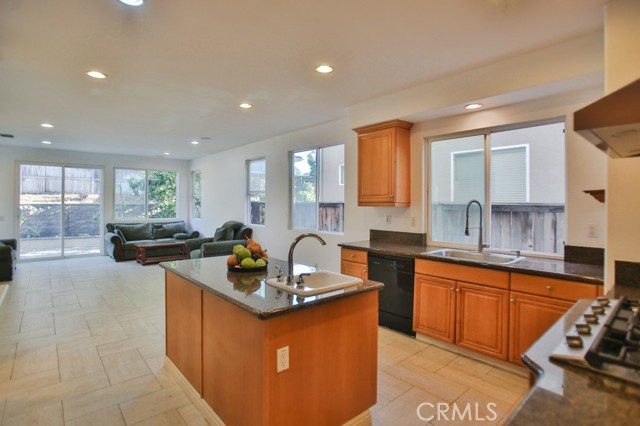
(293, 246)
(481, 245)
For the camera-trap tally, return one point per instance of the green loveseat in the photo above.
(228, 235)
(121, 237)
(8, 249)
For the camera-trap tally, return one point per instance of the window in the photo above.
(196, 194)
(256, 191)
(145, 194)
(317, 196)
(524, 188)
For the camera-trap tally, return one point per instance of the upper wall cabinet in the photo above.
(384, 170)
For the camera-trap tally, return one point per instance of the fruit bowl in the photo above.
(251, 258)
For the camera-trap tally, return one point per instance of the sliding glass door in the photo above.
(60, 211)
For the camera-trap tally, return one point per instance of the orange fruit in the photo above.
(232, 260)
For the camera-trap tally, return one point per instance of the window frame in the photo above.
(319, 184)
(146, 195)
(193, 208)
(487, 132)
(249, 193)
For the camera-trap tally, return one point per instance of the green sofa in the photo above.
(121, 237)
(231, 233)
(8, 250)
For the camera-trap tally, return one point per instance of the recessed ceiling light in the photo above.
(166, 153)
(47, 125)
(96, 74)
(46, 142)
(324, 69)
(473, 106)
(246, 105)
(132, 2)
(195, 143)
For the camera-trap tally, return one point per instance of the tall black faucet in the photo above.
(481, 245)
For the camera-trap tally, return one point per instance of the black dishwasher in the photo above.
(396, 298)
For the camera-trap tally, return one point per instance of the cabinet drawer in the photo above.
(553, 287)
(358, 256)
(488, 277)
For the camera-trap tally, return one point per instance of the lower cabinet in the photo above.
(530, 317)
(434, 307)
(472, 316)
(482, 319)
(354, 263)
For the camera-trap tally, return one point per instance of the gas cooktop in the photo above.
(606, 339)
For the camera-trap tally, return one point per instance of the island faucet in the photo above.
(293, 246)
(481, 245)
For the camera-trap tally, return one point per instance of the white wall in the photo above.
(10, 156)
(622, 59)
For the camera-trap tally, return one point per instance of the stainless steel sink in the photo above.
(503, 259)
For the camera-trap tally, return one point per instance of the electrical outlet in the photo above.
(593, 231)
(282, 356)
(413, 221)
(389, 218)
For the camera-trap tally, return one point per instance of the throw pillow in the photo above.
(136, 232)
(223, 234)
(180, 236)
(167, 230)
(121, 235)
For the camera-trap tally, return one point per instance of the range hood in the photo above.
(613, 122)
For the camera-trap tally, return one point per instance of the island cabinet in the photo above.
(354, 263)
(463, 305)
(222, 346)
(384, 169)
(536, 304)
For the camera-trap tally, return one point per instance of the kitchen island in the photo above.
(224, 330)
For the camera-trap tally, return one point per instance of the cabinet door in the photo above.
(434, 307)
(482, 319)
(530, 317)
(354, 269)
(376, 168)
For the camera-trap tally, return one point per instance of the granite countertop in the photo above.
(250, 291)
(591, 274)
(571, 395)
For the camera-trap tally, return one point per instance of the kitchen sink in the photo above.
(503, 259)
(317, 283)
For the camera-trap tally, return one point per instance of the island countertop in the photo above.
(250, 291)
(566, 395)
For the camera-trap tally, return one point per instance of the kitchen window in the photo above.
(518, 172)
(317, 195)
(196, 194)
(145, 194)
(256, 191)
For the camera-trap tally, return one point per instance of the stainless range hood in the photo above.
(613, 122)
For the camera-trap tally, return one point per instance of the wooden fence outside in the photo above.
(41, 179)
(330, 216)
(526, 227)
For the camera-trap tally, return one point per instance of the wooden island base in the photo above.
(227, 356)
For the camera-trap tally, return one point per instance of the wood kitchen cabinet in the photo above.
(536, 304)
(530, 317)
(384, 169)
(435, 307)
(473, 315)
(354, 263)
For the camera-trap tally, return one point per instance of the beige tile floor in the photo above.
(82, 343)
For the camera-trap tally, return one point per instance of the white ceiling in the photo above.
(177, 70)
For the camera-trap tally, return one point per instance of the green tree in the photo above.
(162, 194)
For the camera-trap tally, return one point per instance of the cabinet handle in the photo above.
(510, 300)
(353, 255)
(549, 288)
(457, 289)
